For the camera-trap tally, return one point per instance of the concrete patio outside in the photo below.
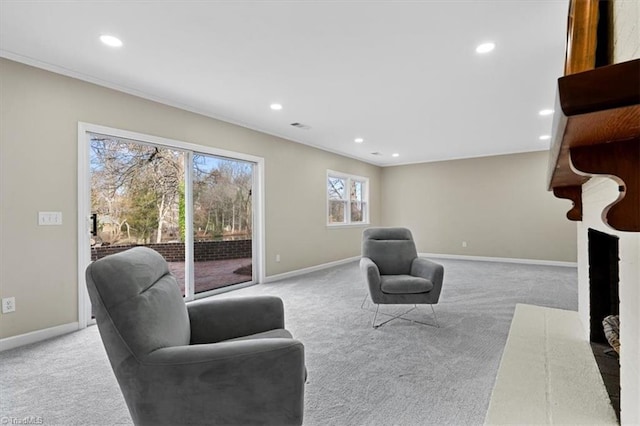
(213, 274)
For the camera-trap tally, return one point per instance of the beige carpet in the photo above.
(401, 374)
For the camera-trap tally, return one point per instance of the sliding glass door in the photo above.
(222, 222)
(195, 208)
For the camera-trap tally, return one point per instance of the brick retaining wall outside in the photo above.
(174, 252)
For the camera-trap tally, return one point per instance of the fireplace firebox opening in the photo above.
(604, 302)
(603, 281)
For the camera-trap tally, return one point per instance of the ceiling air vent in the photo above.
(376, 153)
(301, 126)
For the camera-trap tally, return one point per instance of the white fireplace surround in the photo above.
(597, 193)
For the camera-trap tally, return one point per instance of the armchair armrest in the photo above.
(214, 320)
(424, 268)
(372, 277)
(370, 271)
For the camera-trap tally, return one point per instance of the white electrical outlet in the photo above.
(464, 244)
(8, 304)
(277, 258)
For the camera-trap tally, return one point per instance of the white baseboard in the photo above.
(501, 259)
(37, 336)
(303, 271)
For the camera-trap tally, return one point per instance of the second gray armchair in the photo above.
(395, 274)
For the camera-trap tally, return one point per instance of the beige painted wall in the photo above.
(39, 114)
(498, 205)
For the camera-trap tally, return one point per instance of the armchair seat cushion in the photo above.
(404, 284)
(279, 333)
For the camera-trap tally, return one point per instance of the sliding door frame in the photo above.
(84, 206)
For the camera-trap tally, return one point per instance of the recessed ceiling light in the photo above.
(545, 137)
(358, 140)
(110, 40)
(546, 112)
(395, 154)
(275, 107)
(485, 47)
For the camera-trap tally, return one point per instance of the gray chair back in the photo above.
(391, 249)
(137, 303)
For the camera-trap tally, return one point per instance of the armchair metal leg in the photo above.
(401, 316)
(364, 300)
(373, 324)
(435, 317)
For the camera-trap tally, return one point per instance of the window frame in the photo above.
(348, 178)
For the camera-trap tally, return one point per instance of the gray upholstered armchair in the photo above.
(395, 274)
(226, 361)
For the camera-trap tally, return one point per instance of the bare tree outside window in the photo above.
(346, 199)
(222, 198)
(136, 190)
(337, 200)
(357, 201)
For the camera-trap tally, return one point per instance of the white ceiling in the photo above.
(403, 75)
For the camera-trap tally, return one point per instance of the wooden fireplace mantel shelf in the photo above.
(596, 131)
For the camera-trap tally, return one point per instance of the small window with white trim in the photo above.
(347, 199)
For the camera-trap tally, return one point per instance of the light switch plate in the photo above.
(49, 218)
